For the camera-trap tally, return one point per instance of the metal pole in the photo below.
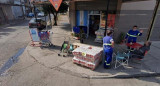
(35, 13)
(108, 1)
(153, 20)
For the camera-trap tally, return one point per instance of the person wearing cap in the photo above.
(108, 44)
(132, 36)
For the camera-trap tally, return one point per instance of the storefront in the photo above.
(122, 15)
(92, 14)
(94, 20)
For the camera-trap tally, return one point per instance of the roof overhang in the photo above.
(132, 0)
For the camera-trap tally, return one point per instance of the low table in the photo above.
(134, 45)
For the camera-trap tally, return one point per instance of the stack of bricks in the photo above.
(87, 56)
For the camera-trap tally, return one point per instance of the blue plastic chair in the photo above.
(122, 59)
(76, 30)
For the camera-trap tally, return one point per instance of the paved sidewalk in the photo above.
(43, 67)
(49, 57)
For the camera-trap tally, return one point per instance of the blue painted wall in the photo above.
(85, 18)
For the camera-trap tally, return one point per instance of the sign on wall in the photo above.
(110, 20)
(56, 3)
(103, 20)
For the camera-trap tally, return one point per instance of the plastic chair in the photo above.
(76, 30)
(122, 59)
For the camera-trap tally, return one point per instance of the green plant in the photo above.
(121, 37)
(48, 8)
(76, 35)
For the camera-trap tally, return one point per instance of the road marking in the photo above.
(11, 61)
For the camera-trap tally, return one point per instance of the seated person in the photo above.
(140, 53)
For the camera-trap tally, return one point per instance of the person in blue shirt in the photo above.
(132, 36)
(108, 44)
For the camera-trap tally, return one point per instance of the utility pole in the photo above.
(153, 20)
(108, 1)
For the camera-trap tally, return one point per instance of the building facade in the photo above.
(122, 15)
(91, 13)
(5, 11)
(12, 9)
(138, 13)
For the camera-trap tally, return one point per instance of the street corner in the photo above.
(99, 73)
(47, 57)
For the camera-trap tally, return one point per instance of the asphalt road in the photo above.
(12, 39)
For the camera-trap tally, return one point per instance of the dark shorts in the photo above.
(137, 54)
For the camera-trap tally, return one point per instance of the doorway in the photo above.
(94, 24)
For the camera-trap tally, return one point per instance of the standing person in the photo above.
(132, 36)
(108, 44)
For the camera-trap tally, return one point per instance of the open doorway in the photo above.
(94, 24)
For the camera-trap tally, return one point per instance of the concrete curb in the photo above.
(126, 76)
(116, 76)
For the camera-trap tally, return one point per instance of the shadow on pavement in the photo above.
(49, 27)
(6, 31)
(55, 47)
(66, 27)
(99, 71)
(90, 41)
(12, 27)
(19, 22)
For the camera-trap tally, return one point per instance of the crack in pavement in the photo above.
(59, 65)
(36, 60)
(22, 69)
(79, 75)
(156, 46)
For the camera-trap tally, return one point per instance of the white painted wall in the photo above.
(8, 12)
(17, 11)
(4, 1)
(17, 2)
